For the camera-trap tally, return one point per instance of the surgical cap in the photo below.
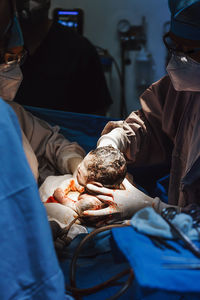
(185, 18)
(16, 38)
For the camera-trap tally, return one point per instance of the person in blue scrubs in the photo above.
(29, 268)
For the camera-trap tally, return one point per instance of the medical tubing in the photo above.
(78, 249)
(64, 231)
(114, 61)
(109, 282)
(124, 287)
(98, 287)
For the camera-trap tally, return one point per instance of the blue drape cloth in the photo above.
(28, 264)
(154, 281)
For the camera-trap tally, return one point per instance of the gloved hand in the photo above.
(124, 202)
(61, 218)
(63, 238)
(115, 137)
(60, 213)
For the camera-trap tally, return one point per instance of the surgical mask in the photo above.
(10, 72)
(10, 80)
(184, 73)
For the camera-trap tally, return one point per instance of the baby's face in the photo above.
(82, 170)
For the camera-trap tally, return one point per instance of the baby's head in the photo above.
(105, 165)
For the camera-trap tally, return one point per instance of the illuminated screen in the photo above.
(68, 18)
(71, 18)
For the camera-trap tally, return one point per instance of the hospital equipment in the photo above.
(173, 262)
(131, 38)
(186, 266)
(168, 214)
(72, 18)
(144, 70)
(162, 244)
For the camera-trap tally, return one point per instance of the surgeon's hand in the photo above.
(124, 202)
(113, 135)
(60, 213)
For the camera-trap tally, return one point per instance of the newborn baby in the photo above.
(104, 165)
(65, 197)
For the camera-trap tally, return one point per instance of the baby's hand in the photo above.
(60, 195)
(88, 202)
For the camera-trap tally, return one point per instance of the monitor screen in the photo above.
(70, 18)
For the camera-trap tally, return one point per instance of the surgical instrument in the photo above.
(168, 214)
(162, 244)
(182, 266)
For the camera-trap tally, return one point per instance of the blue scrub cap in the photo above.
(16, 38)
(185, 18)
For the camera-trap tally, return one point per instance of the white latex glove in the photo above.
(60, 213)
(125, 202)
(64, 216)
(115, 138)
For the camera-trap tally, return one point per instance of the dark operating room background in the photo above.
(101, 19)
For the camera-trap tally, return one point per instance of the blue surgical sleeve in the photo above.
(28, 264)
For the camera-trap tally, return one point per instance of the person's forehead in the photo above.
(5, 15)
(184, 42)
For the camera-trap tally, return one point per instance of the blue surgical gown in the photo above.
(28, 264)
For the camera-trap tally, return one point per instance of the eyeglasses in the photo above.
(19, 56)
(175, 48)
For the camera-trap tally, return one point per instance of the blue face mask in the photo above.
(10, 73)
(184, 73)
